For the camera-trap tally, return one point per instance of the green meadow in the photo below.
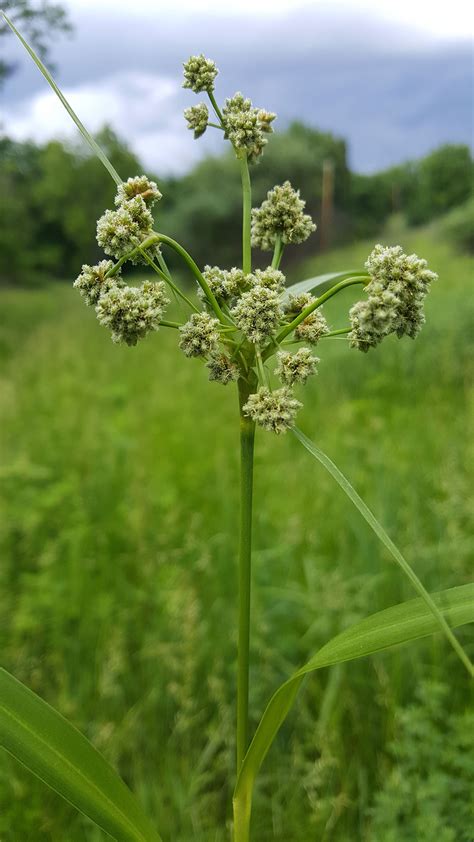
(119, 507)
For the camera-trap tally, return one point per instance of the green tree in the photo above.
(38, 23)
(440, 181)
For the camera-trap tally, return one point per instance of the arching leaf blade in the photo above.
(80, 125)
(57, 753)
(381, 534)
(399, 624)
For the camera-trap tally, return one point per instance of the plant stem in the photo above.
(247, 439)
(246, 215)
(216, 108)
(277, 253)
(322, 298)
(168, 280)
(163, 238)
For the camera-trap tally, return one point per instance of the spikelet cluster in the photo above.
(199, 335)
(246, 127)
(314, 326)
(274, 411)
(92, 282)
(199, 74)
(257, 313)
(132, 312)
(396, 292)
(295, 368)
(197, 118)
(282, 215)
(226, 284)
(222, 369)
(122, 230)
(139, 185)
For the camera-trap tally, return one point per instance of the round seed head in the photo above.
(281, 215)
(140, 185)
(199, 74)
(297, 367)
(197, 118)
(132, 312)
(274, 411)
(257, 313)
(92, 282)
(199, 335)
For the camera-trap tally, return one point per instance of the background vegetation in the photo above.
(119, 494)
(56, 192)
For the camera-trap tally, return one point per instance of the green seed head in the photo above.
(92, 282)
(281, 215)
(132, 312)
(199, 74)
(274, 411)
(297, 367)
(199, 335)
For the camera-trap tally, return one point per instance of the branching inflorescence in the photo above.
(239, 325)
(245, 315)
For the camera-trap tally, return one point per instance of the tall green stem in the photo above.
(246, 215)
(247, 439)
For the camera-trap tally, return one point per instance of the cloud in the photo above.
(390, 93)
(143, 108)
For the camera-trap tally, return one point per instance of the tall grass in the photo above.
(105, 506)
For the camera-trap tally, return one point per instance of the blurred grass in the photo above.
(119, 497)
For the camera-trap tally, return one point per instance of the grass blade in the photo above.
(366, 513)
(57, 753)
(47, 75)
(318, 282)
(402, 623)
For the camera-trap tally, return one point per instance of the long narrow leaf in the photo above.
(400, 624)
(47, 75)
(318, 282)
(50, 747)
(366, 513)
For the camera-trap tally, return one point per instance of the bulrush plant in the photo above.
(257, 335)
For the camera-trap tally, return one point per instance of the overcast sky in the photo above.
(395, 78)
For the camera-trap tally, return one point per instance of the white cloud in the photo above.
(453, 19)
(143, 108)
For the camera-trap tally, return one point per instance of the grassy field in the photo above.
(119, 500)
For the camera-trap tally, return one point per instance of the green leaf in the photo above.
(370, 518)
(60, 755)
(47, 75)
(320, 282)
(400, 624)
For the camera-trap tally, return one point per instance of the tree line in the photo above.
(52, 195)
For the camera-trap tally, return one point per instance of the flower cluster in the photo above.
(274, 411)
(245, 317)
(121, 231)
(257, 313)
(222, 368)
(199, 335)
(199, 74)
(197, 118)
(132, 312)
(396, 291)
(296, 368)
(92, 282)
(129, 312)
(140, 185)
(281, 216)
(226, 284)
(246, 127)
(313, 326)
